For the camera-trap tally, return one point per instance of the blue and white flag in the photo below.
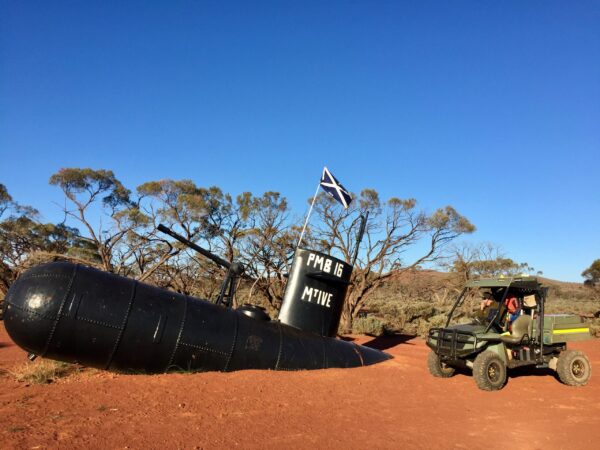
(334, 188)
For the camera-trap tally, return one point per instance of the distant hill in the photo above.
(433, 277)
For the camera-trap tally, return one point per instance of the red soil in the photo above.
(396, 404)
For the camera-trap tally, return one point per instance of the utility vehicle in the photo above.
(490, 344)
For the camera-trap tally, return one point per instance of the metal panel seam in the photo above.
(123, 325)
(31, 311)
(280, 347)
(59, 314)
(203, 348)
(96, 322)
(235, 335)
(356, 349)
(179, 334)
(43, 275)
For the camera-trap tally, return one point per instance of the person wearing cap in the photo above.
(485, 310)
(487, 300)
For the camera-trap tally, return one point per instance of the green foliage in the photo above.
(592, 274)
(91, 183)
(484, 260)
(179, 202)
(448, 220)
(496, 267)
(121, 237)
(369, 200)
(22, 235)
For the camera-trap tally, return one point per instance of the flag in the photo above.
(334, 188)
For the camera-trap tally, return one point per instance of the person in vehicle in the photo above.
(487, 307)
(514, 309)
(486, 300)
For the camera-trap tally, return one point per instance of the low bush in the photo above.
(368, 325)
(594, 326)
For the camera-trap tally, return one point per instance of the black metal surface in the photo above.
(78, 314)
(253, 311)
(314, 296)
(542, 315)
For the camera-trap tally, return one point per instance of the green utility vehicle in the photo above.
(497, 340)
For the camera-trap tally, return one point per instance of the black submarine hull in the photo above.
(79, 314)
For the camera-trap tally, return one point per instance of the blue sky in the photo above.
(492, 107)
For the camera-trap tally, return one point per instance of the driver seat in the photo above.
(520, 328)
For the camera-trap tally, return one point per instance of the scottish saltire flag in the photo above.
(334, 188)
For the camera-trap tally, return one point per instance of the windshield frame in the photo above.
(500, 313)
(496, 319)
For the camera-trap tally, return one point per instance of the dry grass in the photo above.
(42, 371)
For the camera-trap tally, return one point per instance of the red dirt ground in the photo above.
(396, 404)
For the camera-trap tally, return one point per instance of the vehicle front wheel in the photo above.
(437, 368)
(489, 371)
(573, 368)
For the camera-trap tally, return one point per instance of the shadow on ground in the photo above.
(517, 372)
(531, 371)
(389, 341)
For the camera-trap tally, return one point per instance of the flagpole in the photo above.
(361, 233)
(308, 215)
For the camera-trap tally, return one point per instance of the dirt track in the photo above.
(396, 404)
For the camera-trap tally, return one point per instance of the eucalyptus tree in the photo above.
(114, 224)
(24, 239)
(398, 237)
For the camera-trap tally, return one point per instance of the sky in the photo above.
(491, 107)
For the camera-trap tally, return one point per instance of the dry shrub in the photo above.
(407, 315)
(418, 310)
(390, 313)
(423, 326)
(594, 325)
(43, 371)
(444, 298)
(368, 325)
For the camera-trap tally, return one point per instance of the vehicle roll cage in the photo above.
(540, 293)
(497, 315)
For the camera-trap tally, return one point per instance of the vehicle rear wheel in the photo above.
(437, 368)
(573, 368)
(489, 371)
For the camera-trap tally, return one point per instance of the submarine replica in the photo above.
(78, 314)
